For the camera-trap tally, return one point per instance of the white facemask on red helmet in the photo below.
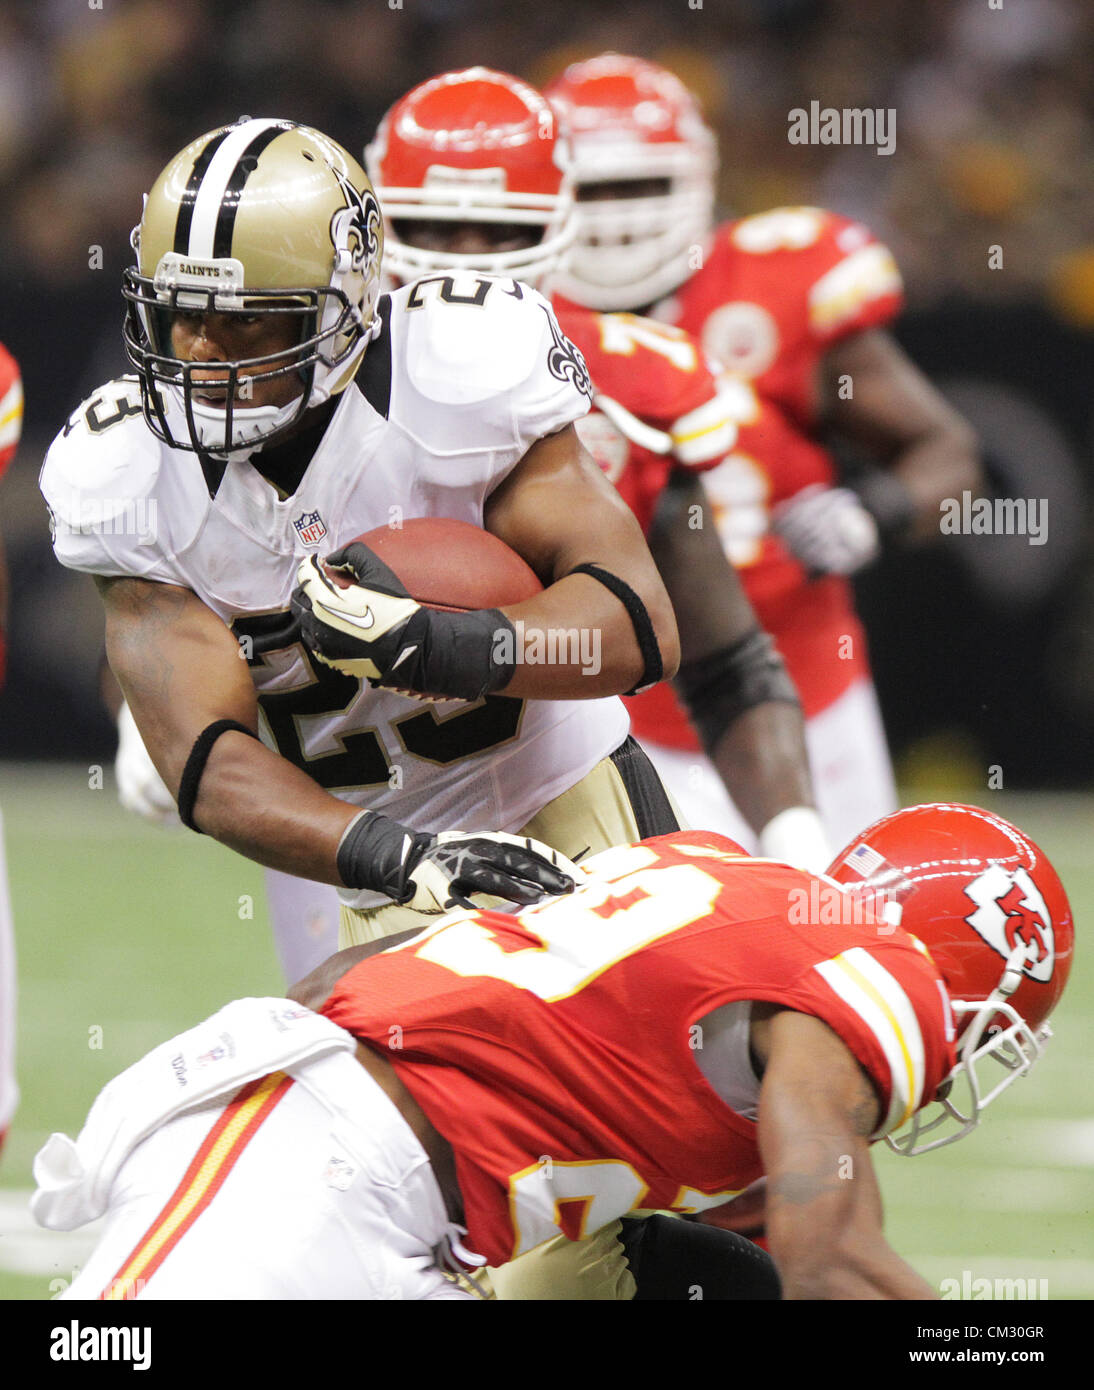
(473, 146)
(631, 121)
(990, 911)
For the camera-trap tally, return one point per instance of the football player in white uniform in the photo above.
(283, 407)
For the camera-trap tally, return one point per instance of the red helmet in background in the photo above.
(987, 906)
(631, 121)
(473, 146)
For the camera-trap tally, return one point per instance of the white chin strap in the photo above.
(966, 1095)
(251, 425)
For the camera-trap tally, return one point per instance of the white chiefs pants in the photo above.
(848, 756)
(303, 1184)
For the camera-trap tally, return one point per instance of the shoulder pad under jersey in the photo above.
(479, 364)
(102, 482)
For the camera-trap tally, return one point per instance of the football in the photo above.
(451, 564)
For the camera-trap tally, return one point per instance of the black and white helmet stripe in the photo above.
(207, 212)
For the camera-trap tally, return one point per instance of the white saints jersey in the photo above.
(465, 376)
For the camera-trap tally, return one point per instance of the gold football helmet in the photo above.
(263, 216)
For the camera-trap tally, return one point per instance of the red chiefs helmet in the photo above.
(987, 907)
(473, 146)
(630, 122)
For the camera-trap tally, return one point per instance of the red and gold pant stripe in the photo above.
(213, 1162)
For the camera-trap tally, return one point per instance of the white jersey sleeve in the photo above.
(480, 372)
(103, 481)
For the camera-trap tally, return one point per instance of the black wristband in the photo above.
(461, 655)
(887, 500)
(195, 766)
(652, 667)
(379, 854)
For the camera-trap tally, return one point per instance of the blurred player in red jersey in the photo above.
(473, 174)
(794, 303)
(686, 1021)
(11, 423)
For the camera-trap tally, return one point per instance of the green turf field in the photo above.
(127, 934)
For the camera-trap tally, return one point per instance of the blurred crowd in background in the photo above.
(994, 147)
(995, 108)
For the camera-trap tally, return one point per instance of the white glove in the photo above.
(797, 837)
(140, 787)
(828, 529)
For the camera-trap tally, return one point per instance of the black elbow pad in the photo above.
(717, 689)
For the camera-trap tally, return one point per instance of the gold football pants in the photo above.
(620, 801)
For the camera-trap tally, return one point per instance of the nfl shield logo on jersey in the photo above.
(310, 528)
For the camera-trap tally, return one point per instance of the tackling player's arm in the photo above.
(904, 423)
(745, 705)
(558, 511)
(824, 1217)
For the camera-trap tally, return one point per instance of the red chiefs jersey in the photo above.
(777, 290)
(554, 1048)
(11, 406)
(649, 380)
(813, 622)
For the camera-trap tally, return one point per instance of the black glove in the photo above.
(431, 873)
(374, 630)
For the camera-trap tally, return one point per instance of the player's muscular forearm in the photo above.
(761, 758)
(558, 511)
(824, 1218)
(761, 755)
(903, 422)
(180, 670)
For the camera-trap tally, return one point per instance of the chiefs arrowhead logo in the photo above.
(1009, 912)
